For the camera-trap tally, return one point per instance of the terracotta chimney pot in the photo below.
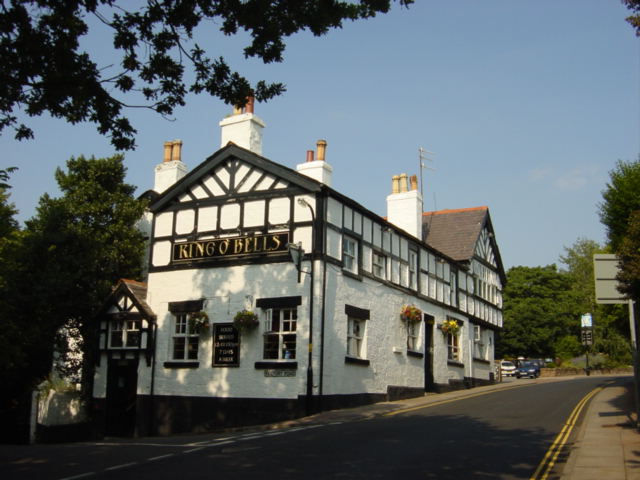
(176, 151)
(414, 182)
(403, 182)
(309, 155)
(167, 151)
(322, 146)
(395, 184)
(250, 104)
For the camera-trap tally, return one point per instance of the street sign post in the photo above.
(605, 272)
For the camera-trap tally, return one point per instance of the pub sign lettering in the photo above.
(230, 247)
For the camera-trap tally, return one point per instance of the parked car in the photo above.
(528, 369)
(507, 368)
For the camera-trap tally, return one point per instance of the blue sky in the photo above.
(526, 104)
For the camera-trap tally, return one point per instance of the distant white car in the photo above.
(507, 368)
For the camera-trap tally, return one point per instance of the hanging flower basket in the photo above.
(199, 322)
(450, 327)
(245, 320)
(410, 313)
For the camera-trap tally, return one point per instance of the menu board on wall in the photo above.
(226, 345)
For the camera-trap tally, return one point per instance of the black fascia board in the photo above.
(225, 153)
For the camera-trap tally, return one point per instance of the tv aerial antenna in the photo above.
(423, 155)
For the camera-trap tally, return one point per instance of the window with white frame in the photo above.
(479, 347)
(350, 254)
(404, 274)
(413, 333)
(453, 347)
(379, 262)
(124, 333)
(356, 334)
(280, 337)
(413, 269)
(184, 341)
(355, 337)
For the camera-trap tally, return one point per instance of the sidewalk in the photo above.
(607, 445)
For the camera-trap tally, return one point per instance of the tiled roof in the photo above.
(454, 232)
(138, 291)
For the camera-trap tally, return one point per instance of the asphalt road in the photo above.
(500, 435)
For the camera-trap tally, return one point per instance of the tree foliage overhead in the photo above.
(634, 20)
(44, 68)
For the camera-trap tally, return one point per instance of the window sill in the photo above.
(350, 274)
(411, 353)
(481, 360)
(276, 365)
(357, 361)
(181, 364)
(455, 363)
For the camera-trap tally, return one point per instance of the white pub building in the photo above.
(270, 295)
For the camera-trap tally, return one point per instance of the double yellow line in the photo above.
(549, 460)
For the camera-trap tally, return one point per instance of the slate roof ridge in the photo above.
(455, 210)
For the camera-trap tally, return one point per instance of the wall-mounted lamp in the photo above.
(296, 252)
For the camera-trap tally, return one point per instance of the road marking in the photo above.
(451, 400)
(194, 450)
(550, 458)
(118, 467)
(82, 475)
(160, 457)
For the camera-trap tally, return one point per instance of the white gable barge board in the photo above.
(219, 158)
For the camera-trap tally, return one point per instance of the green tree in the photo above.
(620, 198)
(538, 310)
(578, 260)
(611, 324)
(71, 254)
(619, 213)
(45, 69)
(629, 255)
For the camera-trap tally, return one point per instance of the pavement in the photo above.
(607, 445)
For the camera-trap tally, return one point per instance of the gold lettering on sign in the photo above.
(230, 247)
(224, 247)
(276, 242)
(237, 245)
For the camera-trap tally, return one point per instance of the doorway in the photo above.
(122, 383)
(429, 322)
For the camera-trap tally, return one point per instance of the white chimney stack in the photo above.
(244, 128)
(171, 169)
(317, 169)
(404, 205)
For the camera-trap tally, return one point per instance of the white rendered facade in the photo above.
(218, 244)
